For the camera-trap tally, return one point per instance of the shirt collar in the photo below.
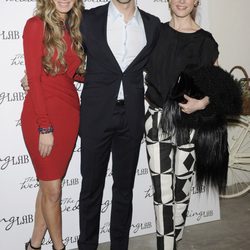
(114, 13)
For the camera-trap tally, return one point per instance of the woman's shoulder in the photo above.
(34, 22)
(206, 34)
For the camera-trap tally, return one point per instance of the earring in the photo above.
(197, 3)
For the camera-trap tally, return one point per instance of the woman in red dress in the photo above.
(50, 117)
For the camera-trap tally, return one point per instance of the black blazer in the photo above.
(103, 75)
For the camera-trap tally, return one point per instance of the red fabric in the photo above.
(51, 101)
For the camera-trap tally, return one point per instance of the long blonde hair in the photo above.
(53, 35)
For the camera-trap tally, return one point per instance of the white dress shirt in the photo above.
(125, 40)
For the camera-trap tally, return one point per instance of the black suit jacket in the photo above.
(103, 75)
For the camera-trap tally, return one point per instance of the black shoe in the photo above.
(27, 244)
(64, 248)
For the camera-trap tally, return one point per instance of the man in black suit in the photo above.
(118, 38)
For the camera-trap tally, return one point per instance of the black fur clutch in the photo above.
(210, 138)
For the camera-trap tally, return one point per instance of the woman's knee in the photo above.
(51, 191)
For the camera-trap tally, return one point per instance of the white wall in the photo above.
(229, 23)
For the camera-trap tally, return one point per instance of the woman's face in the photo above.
(64, 6)
(182, 8)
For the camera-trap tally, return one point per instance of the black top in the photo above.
(172, 54)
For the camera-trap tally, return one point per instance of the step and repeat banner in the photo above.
(18, 185)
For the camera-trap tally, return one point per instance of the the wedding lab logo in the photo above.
(20, 1)
(8, 223)
(95, 1)
(105, 206)
(160, 1)
(149, 192)
(142, 171)
(198, 190)
(9, 35)
(70, 182)
(7, 161)
(77, 149)
(29, 183)
(104, 228)
(17, 60)
(18, 123)
(140, 226)
(67, 240)
(11, 97)
(199, 215)
(68, 204)
(109, 172)
(79, 86)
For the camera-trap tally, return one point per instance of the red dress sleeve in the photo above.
(33, 52)
(79, 78)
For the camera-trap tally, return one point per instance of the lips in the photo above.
(179, 7)
(63, 4)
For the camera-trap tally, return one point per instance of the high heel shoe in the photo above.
(27, 244)
(64, 247)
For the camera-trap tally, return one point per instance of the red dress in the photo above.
(51, 101)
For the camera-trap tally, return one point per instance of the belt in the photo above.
(120, 102)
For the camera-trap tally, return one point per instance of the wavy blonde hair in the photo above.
(53, 35)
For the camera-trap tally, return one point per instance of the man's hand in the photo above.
(24, 83)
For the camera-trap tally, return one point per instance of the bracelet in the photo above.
(45, 130)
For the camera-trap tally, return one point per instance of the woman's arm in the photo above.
(33, 53)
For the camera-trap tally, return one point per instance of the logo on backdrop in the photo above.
(95, 1)
(69, 205)
(199, 215)
(11, 97)
(18, 123)
(140, 226)
(198, 190)
(149, 192)
(8, 161)
(134, 229)
(67, 240)
(15, 221)
(160, 1)
(9, 35)
(105, 206)
(20, 1)
(142, 171)
(17, 60)
(70, 182)
(79, 86)
(31, 183)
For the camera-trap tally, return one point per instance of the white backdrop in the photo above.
(18, 185)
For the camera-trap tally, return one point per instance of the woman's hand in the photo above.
(193, 104)
(46, 142)
(24, 83)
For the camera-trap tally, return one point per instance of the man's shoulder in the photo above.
(151, 17)
(96, 10)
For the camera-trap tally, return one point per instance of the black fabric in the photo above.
(173, 53)
(224, 94)
(211, 133)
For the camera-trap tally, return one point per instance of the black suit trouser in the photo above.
(95, 155)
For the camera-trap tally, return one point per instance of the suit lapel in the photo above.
(149, 38)
(107, 51)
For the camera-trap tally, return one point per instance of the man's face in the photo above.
(123, 1)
